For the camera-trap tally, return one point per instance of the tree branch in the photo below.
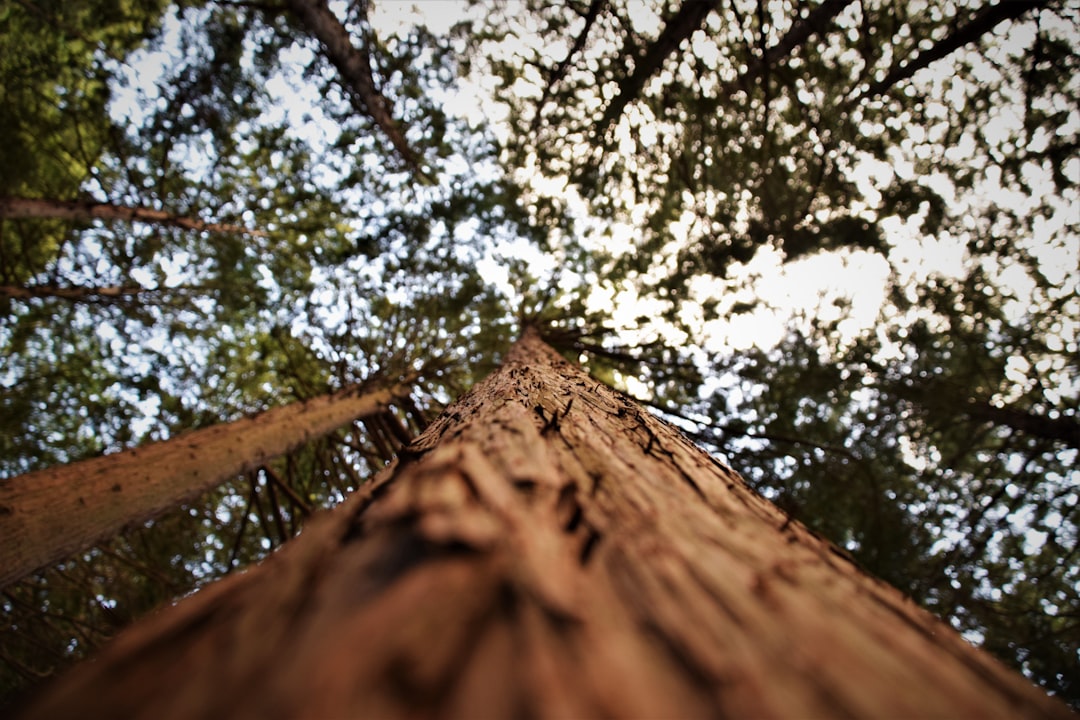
(75, 210)
(354, 65)
(689, 18)
(984, 20)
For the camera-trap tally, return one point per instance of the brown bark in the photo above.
(76, 210)
(46, 516)
(548, 549)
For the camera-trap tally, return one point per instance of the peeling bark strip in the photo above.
(75, 210)
(46, 516)
(547, 549)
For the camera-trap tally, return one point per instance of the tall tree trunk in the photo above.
(75, 210)
(47, 515)
(548, 549)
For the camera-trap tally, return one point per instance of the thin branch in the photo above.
(354, 65)
(76, 210)
(984, 21)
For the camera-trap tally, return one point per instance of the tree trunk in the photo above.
(47, 515)
(75, 210)
(547, 549)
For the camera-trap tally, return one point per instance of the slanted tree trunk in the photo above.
(47, 515)
(75, 210)
(548, 549)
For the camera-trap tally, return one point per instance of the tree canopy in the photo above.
(835, 242)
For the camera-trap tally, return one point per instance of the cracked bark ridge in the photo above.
(548, 549)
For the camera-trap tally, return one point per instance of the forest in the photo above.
(836, 243)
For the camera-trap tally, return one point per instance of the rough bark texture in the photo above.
(547, 549)
(75, 210)
(46, 516)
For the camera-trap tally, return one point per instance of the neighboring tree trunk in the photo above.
(47, 515)
(75, 210)
(548, 549)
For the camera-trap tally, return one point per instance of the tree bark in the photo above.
(75, 210)
(548, 549)
(47, 515)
